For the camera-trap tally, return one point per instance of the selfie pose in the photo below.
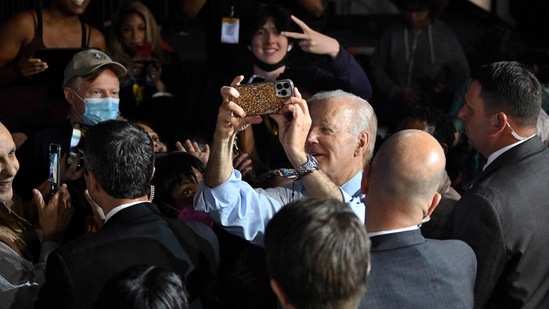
(273, 36)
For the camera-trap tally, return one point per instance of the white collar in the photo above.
(119, 208)
(405, 229)
(501, 151)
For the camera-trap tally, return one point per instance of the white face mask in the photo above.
(97, 110)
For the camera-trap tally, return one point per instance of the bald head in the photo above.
(404, 177)
(9, 164)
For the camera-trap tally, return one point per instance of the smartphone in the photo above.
(264, 98)
(55, 167)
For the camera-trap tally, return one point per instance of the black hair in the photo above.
(170, 170)
(510, 87)
(143, 287)
(121, 156)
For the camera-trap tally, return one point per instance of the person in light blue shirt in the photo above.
(328, 140)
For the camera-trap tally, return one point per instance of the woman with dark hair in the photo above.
(175, 181)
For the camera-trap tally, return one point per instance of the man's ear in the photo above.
(434, 203)
(281, 295)
(362, 144)
(69, 95)
(500, 122)
(364, 183)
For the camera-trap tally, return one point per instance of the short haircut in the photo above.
(143, 287)
(509, 87)
(121, 156)
(443, 128)
(280, 16)
(170, 171)
(365, 117)
(317, 251)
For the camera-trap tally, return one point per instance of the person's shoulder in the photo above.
(97, 39)
(450, 249)
(23, 22)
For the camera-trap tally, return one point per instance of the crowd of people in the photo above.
(352, 195)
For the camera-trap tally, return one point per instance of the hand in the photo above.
(153, 73)
(73, 171)
(312, 41)
(136, 67)
(28, 67)
(294, 123)
(194, 149)
(98, 213)
(243, 163)
(54, 217)
(231, 117)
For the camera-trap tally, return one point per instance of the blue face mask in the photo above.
(97, 110)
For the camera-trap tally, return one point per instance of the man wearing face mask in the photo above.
(91, 89)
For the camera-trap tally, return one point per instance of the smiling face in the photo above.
(76, 7)
(133, 30)
(8, 164)
(268, 45)
(332, 142)
(477, 124)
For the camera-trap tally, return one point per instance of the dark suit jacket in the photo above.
(504, 217)
(409, 271)
(76, 272)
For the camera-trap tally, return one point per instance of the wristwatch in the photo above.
(308, 167)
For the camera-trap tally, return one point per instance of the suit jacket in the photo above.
(77, 271)
(409, 271)
(504, 217)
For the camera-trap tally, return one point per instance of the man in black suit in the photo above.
(409, 271)
(504, 216)
(119, 163)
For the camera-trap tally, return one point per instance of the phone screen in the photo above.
(55, 168)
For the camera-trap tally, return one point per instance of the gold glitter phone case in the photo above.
(264, 98)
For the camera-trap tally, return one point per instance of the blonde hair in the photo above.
(152, 35)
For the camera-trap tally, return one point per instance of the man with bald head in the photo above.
(22, 253)
(409, 271)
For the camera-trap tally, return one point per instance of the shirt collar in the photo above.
(119, 208)
(352, 186)
(501, 151)
(405, 229)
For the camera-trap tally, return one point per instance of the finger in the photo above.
(206, 148)
(237, 80)
(295, 35)
(179, 146)
(301, 24)
(38, 199)
(188, 146)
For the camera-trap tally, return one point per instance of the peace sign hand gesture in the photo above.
(312, 41)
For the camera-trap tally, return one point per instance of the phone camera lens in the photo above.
(286, 85)
(283, 92)
(278, 86)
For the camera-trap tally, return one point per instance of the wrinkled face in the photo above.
(105, 85)
(183, 193)
(159, 146)
(8, 164)
(133, 30)
(268, 45)
(418, 19)
(477, 125)
(331, 142)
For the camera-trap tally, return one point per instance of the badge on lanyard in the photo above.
(230, 28)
